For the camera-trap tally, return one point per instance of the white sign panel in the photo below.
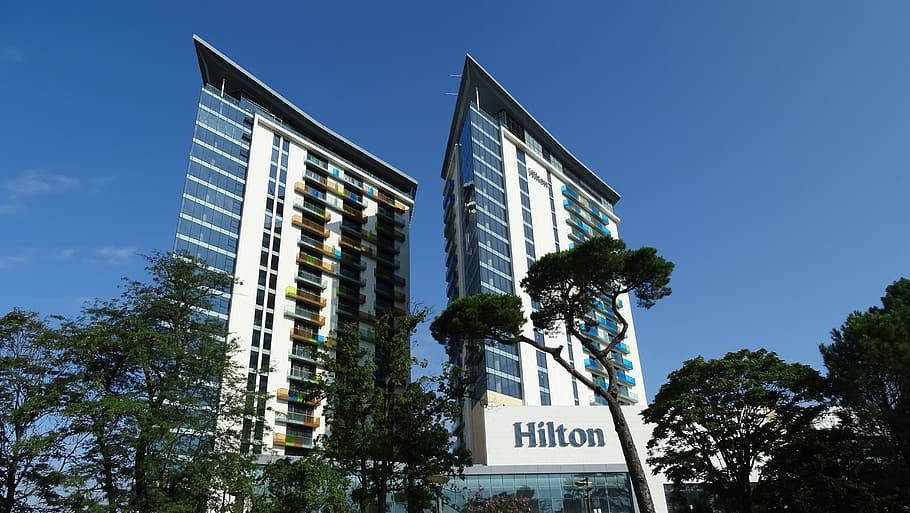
(558, 435)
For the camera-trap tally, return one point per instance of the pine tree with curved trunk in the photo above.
(567, 285)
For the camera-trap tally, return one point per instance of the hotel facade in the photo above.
(313, 228)
(511, 194)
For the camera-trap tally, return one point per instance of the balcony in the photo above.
(310, 208)
(353, 212)
(398, 218)
(353, 277)
(310, 226)
(304, 296)
(283, 440)
(292, 311)
(306, 354)
(625, 378)
(284, 394)
(297, 418)
(351, 295)
(390, 233)
(309, 192)
(627, 396)
(316, 161)
(355, 245)
(607, 324)
(301, 374)
(318, 245)
(623, 362)
(311, 176)
(310, 278)
(317, 263)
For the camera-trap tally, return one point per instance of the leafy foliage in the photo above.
(475, 318)
(567, 283)
(33, 437)
(159, 399)
(717, 421)
(388, 431)
(825, 468)
(868, 363)
(305, 485)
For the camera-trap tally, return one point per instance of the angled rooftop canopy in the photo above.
(477, 83)
(217, 70)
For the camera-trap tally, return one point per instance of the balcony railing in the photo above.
(307, 354)
(627, 395)
(318, 263)
(284, 394)
(316, 161)
(311, 208)
(285, 440)
(310, 278)
(302, 295)
(297, 418)
(310, 226)
(353, 212)
(318, 245)
(625, 378)
(315, 177)
(301, 374)
(297, 313)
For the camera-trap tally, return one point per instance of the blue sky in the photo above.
(761, 146)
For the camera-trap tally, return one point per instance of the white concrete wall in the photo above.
(544, 242)
(242, 310)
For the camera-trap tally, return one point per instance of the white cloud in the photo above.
(63, 254)
(9, 261)
(34, 182)
(115, 255)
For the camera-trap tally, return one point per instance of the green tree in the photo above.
(305, 485)
(387, 430)
(160, 398)
(717, 421)
(827, 467)
(33, 437)
(569, 286)
(868, 363)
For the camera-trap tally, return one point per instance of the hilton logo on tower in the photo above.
(548, 434)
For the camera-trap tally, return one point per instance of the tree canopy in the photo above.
(34, 445)
(157, 398)
(868, 363)
(387, 430)
(717, 421)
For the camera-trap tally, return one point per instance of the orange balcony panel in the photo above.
(309, 226)
(306, 297)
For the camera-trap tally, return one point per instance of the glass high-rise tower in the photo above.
(513, 193)
(313, 228)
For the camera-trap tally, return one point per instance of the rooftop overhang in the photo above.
(478, 84)
(220, 71)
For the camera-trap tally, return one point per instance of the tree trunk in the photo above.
(630, 453)
(6, 505)
(107, 465)
(140, 499)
